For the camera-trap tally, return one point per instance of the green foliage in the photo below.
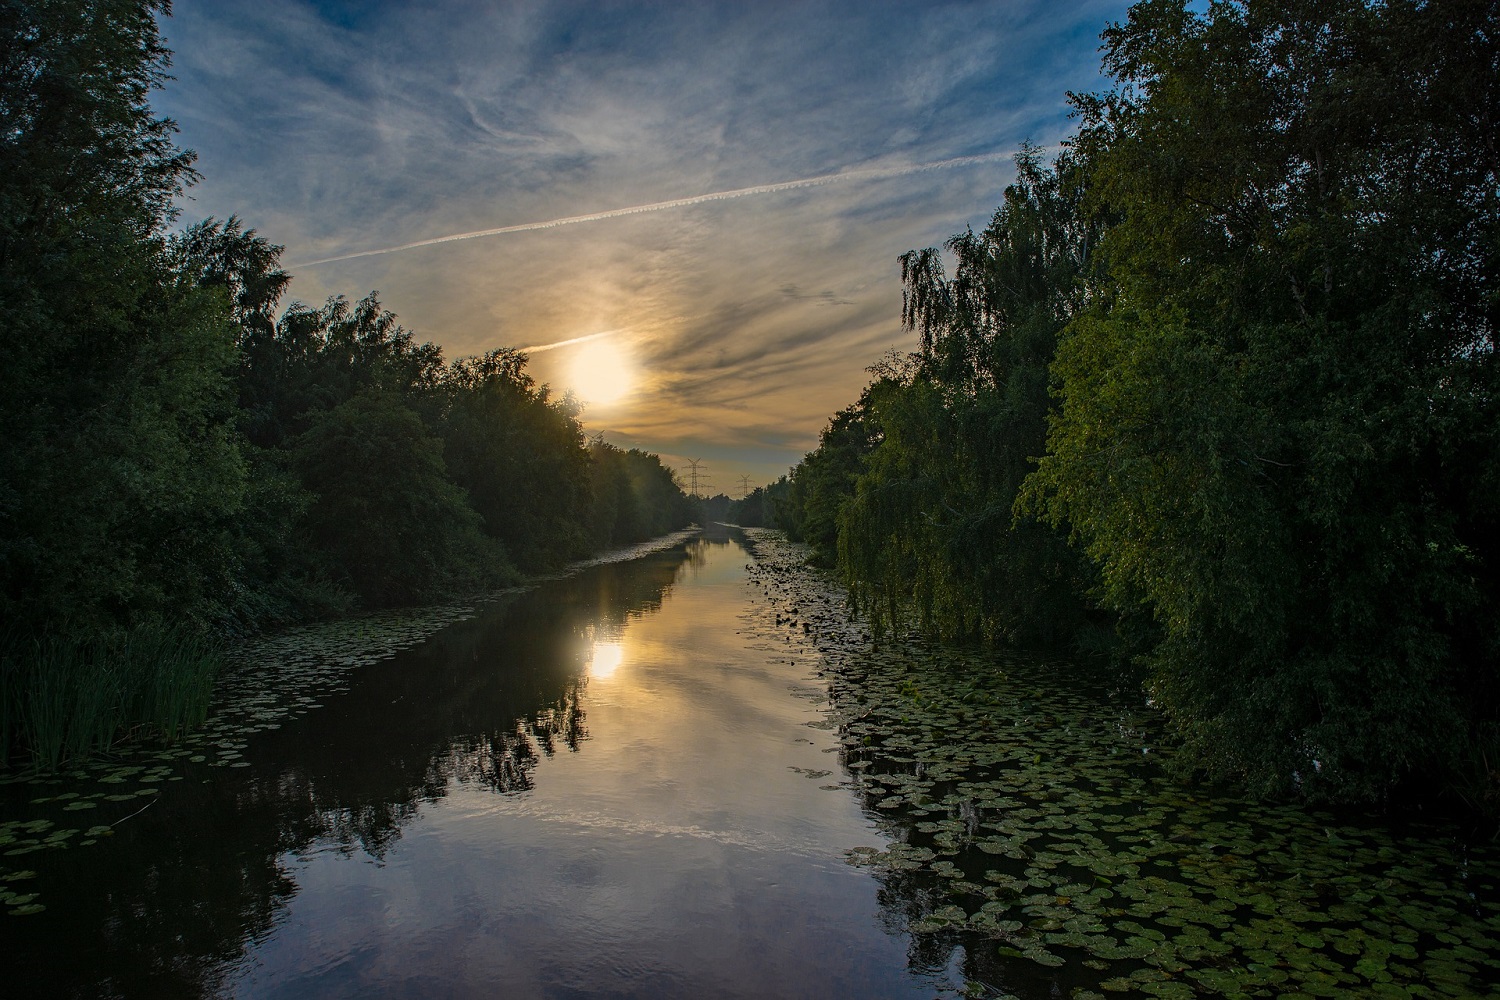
(385, 516)
(635, 497)
(82, 152)
(754, 510)
(244, 265)
(1278, 431)
(1261, 282)
(780, 511)
(120, 479)
(714, 509)
(519, 455)
(313, 360)
(66, 699)
(931, 529)
(179, 451)
(823, 482)
(113, 376)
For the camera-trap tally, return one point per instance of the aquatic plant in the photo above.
(64, 700)
(1032, 819)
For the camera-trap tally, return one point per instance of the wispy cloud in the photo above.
(539, 348)
(629, 154)
(867, 173)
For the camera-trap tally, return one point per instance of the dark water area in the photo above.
(690, 774)
(604, 787)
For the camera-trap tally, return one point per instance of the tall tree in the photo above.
(385, 517)
(520, 455)
(931, 528)
(120, 477)
(1279, 422)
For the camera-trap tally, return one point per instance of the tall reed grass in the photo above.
(63, 700)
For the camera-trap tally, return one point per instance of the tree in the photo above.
(246, 267)
(120, 476)
(931, 527)
(635, 497)
(315, 359)
(823, 482)
(520, 456)
(385, 515)
(1278, 431)
(753, 510)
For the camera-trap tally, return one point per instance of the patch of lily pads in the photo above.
(1029, 820)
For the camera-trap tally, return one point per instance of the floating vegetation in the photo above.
(1031, 823)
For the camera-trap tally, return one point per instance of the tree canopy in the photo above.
(185, 456)
(1237, 344)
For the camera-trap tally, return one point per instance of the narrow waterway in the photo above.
(690, 774)
(620, 784)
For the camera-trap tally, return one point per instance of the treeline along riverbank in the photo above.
(1216, 392)
(188, 457)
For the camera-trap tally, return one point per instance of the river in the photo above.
(618, 784)
(689, 774)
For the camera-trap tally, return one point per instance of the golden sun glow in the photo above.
(601, 373)
(605, 659)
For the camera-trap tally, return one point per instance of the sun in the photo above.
(601, 373)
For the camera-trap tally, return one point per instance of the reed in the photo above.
(64, 700)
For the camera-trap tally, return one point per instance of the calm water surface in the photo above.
(621, 784)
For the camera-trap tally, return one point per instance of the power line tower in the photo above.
(744, 486)
(695, 476)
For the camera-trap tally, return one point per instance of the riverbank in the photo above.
(623, 783)
(1004, 818)
(267, 682)
(1037, 838)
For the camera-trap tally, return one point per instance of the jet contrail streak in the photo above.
(872, 173)
(564, 343)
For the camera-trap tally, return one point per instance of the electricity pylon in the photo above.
(694, 476)
(744, 486)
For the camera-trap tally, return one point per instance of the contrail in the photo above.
(560, 343)
(871, 173)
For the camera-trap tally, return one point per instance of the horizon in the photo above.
(717, 194)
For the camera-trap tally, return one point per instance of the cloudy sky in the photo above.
(725, 329)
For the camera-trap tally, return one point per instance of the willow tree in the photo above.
(1280, 424)
(930, 529)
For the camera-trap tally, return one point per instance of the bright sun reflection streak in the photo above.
(605, 659)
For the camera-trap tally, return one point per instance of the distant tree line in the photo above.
(186, 458)
(754, 510)
(1221, 377)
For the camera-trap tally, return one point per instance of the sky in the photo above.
(775, 159)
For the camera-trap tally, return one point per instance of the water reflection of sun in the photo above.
(605, 658)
